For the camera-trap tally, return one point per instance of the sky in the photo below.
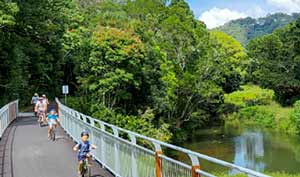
(217, 12)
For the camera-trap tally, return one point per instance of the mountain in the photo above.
(249, 28)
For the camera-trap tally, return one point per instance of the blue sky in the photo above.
(217, 12)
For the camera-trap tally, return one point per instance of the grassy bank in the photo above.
(254, 106)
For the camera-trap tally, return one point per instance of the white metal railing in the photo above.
(8, 113)
(125, 158)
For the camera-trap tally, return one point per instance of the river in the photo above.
(255, 149)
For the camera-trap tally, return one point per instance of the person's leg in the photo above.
(80, 163)
(39, 116)
(49, 131)
(33, 105)
(89, 158)
(44, 117)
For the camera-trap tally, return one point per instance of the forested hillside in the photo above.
(249, 28)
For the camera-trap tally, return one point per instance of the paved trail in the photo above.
(25, 151)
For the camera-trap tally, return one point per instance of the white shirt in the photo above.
(40, 105)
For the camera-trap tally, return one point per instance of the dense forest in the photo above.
(249, 28)
(148, 66)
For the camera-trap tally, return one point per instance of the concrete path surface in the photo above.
(25, 151)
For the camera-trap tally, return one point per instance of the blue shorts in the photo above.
(82, 157)
(51, 122)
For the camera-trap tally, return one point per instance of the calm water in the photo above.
(254, 149)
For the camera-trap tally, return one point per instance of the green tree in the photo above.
(275, 62)
(114, 69)
(230, 60)
(7, 13)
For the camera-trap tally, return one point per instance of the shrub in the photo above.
(295, 117)
(250, 95)
(80, 104)
(259, 115)
(142, 124)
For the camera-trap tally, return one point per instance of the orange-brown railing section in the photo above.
(158, 166)
(158, 163)
(194, 173)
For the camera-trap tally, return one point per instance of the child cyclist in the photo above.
(52, 119)
(83, 149)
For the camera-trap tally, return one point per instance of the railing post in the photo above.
(195, 165)
(83, 117)
(60, 115)
(17, 108)
(92, 123)
(116, 150)
(102, 144)
(133, 157)
(158, 161)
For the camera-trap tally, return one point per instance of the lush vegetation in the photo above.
(31, 47)
(275, 62)
(249, 28)
(147, 63)
(151, 67)
(148, 66)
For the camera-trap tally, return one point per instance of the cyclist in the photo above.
(34, 100)
(52, 119)
(83, 149)
(45, 101)
(40, 108)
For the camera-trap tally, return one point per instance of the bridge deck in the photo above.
(25, 151)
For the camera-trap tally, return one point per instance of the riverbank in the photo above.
(258, 133)
(256, 107)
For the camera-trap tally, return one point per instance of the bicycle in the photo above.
(52, 126)
(85, 170)
(52, 134)
(40, 118)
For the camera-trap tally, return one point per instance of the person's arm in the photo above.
(57, 118)
(45, 108)
(76, 147)
(93, 146)
(36, 107)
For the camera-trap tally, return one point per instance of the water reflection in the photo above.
(256, 149)
(249, 151)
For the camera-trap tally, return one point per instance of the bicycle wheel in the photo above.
(53, 135)
(41, 123)
(89, 171)
(86, 172)
(83, 170)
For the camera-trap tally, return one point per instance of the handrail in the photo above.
(72, 119)
(8, 113)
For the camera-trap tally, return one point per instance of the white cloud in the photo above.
(216, 17)
(256, 12)
(287, 6)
